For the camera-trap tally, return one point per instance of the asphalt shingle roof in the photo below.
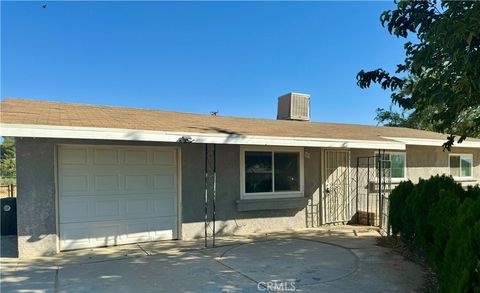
(26, 111)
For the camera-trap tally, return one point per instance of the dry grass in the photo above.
(4, 191)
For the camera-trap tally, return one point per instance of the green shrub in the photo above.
(408, 220)
(424, 195)
(440, 218)
(397, 201)
(460, 270)
(472, 192)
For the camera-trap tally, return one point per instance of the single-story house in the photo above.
(93, 175)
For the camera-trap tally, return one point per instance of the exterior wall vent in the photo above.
(294, 106)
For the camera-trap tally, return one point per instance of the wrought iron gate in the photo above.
(371, 188)
(337, 205)
(357, 194)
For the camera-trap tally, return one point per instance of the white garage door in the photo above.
(115, 195)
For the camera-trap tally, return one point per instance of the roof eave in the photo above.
(74, 132)
(434, 142)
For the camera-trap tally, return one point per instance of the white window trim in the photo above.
(471, 167)
(277, 194)
(397, 180)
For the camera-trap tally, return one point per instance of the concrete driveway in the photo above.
(340, 259)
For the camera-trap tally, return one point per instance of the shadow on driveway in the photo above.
(339, 259)
(8, 246)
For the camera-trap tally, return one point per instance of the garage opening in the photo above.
(110, 195)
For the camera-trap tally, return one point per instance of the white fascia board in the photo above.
(74, 132)
(434, 142)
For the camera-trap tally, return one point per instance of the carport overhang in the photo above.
(75, 132)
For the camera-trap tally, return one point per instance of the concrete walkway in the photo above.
(336, 259)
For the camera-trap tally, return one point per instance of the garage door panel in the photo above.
(71, 184)
(105, 157)
(74, 209)
(72, 156)
(82, 235)
(164, 206)
(106, 183)
(137, 157)
(164, 182)
(137, 183)
(110, 195)
(120, 169)
(107, 234)
(107, 208)
(92, 208)
(137, 207)
(73, 232)
(138, 231)
(164, 158)
(161, 230)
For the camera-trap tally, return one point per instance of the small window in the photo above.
(269, 173)
(258, 172)
(461, 166)
(396, 163)
(287, 172)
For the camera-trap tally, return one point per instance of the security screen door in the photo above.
(336, 187)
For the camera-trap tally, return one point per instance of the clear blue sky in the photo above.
(198, 57)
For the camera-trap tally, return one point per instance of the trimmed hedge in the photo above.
(440, 218)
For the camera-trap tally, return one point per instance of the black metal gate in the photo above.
(371, 187)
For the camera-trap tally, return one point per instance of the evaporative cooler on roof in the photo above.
(294, 106)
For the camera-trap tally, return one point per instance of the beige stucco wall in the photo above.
(426, 161)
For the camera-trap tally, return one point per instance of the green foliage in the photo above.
(391, 118)
(410, 119)
(397, 199)
(425, 194)
(472, 192)
(460, 271)
(440, 218)
(438, 83)
(7, 157)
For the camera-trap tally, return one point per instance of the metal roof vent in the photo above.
(294, 106)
